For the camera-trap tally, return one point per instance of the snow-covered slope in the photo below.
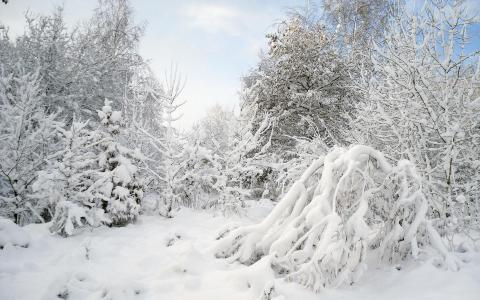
(161, 258)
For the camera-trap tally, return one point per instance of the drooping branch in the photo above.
(320, 234)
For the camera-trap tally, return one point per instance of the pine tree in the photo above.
(122, 186)
(69, 183)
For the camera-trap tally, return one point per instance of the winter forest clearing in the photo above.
(349, 168)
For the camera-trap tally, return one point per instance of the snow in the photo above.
(12, 235)
(324, 237)
(122, 174)
(121, 192)
(172, 258)
(116, 116)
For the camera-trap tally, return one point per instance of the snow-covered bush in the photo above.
(70, 216)
(70, 184)
(320, 233)
(199, 177)
(27, 137)
(121, 186)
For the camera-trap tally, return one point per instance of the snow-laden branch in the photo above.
(320, 234)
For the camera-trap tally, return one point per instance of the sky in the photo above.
(213, 43)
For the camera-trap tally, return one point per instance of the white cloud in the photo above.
(213, 17)
(227, 18)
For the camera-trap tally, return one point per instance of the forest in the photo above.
(352, 165)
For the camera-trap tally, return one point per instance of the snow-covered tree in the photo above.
(106, 52)
(423, 106)
(225, 135)
(217, 131)
(322, 231)
(7, 49)
(249, 163)
(80, 66)
(224, 162)
(45, 46)
(360, 23)
(200, 182)
(121, 186)
(143, 110)
(27, 136)
(71, 182)
(171, 143)
(304, 83)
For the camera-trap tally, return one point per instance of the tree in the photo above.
(166, 144)
(230, 140)
(106, 55)
(45, 46)
(360, 23)
(71, 182)
(240, 158)
(303, 83)
(200, 181)
(122, 187)
(143, 110)
(28, 136)
(171, 143)
(80, 67)
(7, 50)
(422, 107)
(216, 131)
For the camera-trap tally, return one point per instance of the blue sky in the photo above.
(213, 43)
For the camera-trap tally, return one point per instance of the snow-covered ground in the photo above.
(159, 258)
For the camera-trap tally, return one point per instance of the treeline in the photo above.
(402, 80)
(378, 73)
(72, 102)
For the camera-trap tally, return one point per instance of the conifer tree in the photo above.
(122, 186)
(69, 183)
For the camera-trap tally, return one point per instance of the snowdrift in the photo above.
(321, 232)
(12, 234)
